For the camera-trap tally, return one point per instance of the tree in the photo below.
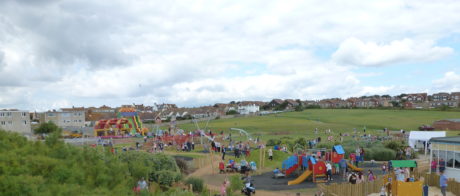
(232, 112)
(298, 108)
(47, 128)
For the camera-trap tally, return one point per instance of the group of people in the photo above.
(359, 177)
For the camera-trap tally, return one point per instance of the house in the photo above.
(325, 104)
(440, 96)
(440, 103)
(275, 102)
(417, 97)
(248, 109)
(15, 121)
(291, 104)
(448, 149)
(448, 124)
(66, 117)
(455, 96)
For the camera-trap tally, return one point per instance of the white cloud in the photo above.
(353, 51)
(82, 52)
(450, 82)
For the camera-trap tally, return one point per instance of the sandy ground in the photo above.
(433, 191)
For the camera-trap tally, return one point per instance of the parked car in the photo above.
(426, 128)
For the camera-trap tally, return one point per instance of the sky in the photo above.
(63, 53)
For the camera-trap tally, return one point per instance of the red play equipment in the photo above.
(114, 126)
(315, 168)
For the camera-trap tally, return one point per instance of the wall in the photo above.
(16, 121)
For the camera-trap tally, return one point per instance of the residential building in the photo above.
(440, 97)
(455, 96)
(440, 103)
(275, 102)
(417, 97)
(104, 112)
(248, 109)
(66, 117)
(15, 121)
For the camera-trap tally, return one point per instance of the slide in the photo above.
(354, 168)
(301, 178)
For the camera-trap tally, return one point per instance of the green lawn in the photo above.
(338, 120)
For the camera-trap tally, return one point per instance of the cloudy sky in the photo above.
(57, 53)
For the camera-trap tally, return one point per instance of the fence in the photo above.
(433, 180)
(363, 189)
(346, 189)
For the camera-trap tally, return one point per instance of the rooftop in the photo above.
(453, 139)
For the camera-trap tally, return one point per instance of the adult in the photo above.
(328, 171)
(352, 178)
(361, 154)
(223, 152)
(400, 174)
(442, 165)
(270, 154)
(223, 188)
(343, 167)
(384, 168)
(443, 183)
(408, 153)
(358, 156)
(434, 165)
(360, 178)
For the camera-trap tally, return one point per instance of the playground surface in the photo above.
(266, 182)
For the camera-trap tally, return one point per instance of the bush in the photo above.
(383, 154)
(197, 184)
(232, 112)
(236, 184)
(273, 142)
(166, 177)
(394, 145)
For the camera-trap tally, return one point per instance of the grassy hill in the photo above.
(338, 120)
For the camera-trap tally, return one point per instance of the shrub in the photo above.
(235, 184)
(394, 145)
(273, 142)
(166, 177)
(383, 154)
(197, 184)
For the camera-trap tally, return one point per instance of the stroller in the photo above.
(248, 189)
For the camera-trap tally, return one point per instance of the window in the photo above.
(51, 114)
(10, 122)
(3, 123)
(8, 114)
(24, 114)
(450, 159)
(457, 160)
(2, 114)
(79, 120)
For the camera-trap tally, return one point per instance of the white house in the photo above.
(248, 109)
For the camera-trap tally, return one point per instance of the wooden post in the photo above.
(212, 161)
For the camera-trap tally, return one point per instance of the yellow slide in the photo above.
(301, 178)
(354, 168)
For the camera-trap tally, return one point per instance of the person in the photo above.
(270, 154)
(352, 179)
(442, 165)
(145, 139)
(142, 184)
(408, 153)
(221, 167)
(328, 171)
(223, 188)
(443, 183)
(358, 156)
(337, 168)
(383, 191)
(360, 178)
(399, 174)
(370, 176)
(276, 171)
(361, 154)
(384, 168)
(434, 165)
(137, 145)
(223, 152)
(343, 166)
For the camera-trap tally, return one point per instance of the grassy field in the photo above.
(338, 120)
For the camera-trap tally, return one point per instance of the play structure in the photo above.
(312, 167)
(314, 164)
(126, 123)
(409, 186)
